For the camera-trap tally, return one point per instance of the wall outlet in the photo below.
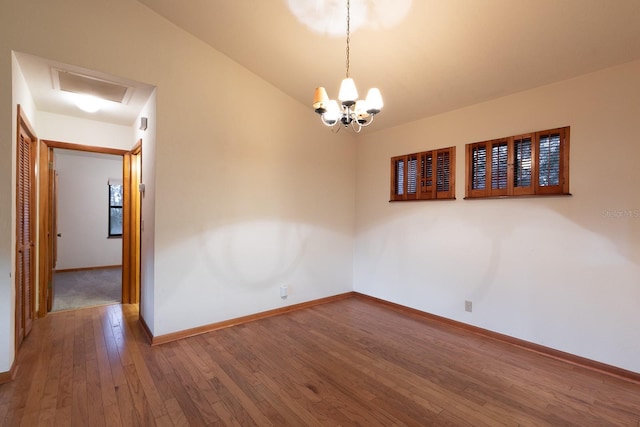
(468, 306)
(284, 291)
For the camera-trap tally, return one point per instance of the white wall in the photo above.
(147, 238)
(14, 91)
(56, 127)
(244, 203)
(83, 209)
(558, 271)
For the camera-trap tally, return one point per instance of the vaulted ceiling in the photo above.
(426, 56)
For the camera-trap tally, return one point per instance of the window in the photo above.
(424, 176)
(115, 208)
(531, 164)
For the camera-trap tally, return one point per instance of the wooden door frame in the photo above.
(45, 234)
(45, 254)
(131, 214)
(24, 126)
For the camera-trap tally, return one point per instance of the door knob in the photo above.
(59, 234)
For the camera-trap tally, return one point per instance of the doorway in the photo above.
(50, 261)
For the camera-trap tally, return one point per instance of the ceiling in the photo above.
(441, 55)
(425, 56)
(50, 83)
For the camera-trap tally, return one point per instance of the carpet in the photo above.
(86, 288)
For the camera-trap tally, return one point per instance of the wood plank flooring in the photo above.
(349, 362)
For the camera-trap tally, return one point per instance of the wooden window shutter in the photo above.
(412, 177)
(477, 169)
(523, 165)
(398, 189)
(535, 163)
(552, 161)
(498, 168)
(423, 176)
(445, 171)
(426, 175)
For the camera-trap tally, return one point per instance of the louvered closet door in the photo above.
(25, 235)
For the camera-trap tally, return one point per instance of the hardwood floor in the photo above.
(350, 362)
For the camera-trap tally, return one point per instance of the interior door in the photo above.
(47, 231)
(25, 229)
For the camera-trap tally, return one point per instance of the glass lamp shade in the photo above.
(320, 99)
(361, 109)
(374, 100)
(88, 103)
(348, 92)
(333, 112)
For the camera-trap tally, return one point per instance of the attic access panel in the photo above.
(77, 83)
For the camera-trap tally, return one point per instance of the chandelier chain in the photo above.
(348, 33)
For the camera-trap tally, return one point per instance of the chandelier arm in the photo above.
(335, 126)
(368, 122)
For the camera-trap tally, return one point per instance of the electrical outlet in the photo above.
(284, 291)
(468, 306)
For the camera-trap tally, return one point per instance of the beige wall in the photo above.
(147, 137)
(83, 209)
(244, 201)
(559, 271)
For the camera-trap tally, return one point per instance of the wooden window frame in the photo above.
(440, 185)
(512, 189)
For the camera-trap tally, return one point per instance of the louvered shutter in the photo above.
(523, 164)
(499, 167)
(24, 273)
(397, 178)
(426, 175)
(412, 176)
(477, 170)
(445, 171)
(423, 176)
(550, 176)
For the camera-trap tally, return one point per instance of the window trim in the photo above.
(423, 192)
(534, 188)
(111, 235)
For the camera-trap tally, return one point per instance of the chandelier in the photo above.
(351, 111)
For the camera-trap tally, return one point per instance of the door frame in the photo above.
(45, 231)
(132, 217)
(46, 210)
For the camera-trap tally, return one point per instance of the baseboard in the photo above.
(10, 375)
(537, 348)
(146, 329)
(174, 336)
(102, 267)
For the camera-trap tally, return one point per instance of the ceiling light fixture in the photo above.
(88, 103)
(353, 112)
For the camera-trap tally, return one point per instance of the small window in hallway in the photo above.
(115, 208)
